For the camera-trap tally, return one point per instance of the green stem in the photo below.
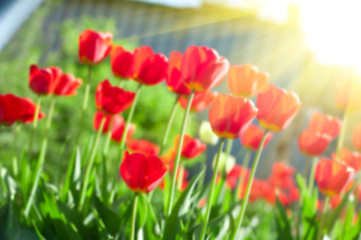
(180, 177)
(228, 152)
(322, 221)
(16, 162)
(211, 192)
(134, 214)
(108, 138)
(35, 123)
(311, 179)
(104, 159)
(341, 137)
(129, 119)
(90, 165)
(306, 167)
(248, 190)
(50, 115)
(169, 124)
(177, 160)
(85, 103)
(38, 170)
(246, 159)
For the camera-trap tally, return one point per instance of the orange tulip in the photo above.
(325, 124)
(351, 158)
(229, 115)
(246, 80)
(356, 136)
(251, 137)
(200, 101)
(94, 46)
(174, 76)
(277, 108)
(313, 143)
(347, 94)
(332, 176)
(202, 68)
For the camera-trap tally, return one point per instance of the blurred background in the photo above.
(304, 45)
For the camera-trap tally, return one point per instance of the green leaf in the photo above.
(282, 222)
(109, 217)
(172, 224)
(142, 210)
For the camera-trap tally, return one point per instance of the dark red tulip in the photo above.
(13, 109)
(229, 115)
(174, 76)
(142, 173)
(94, 46)
(191, 148)
(112, 99)
(313, 143)
(66, 85)
(277, 108)
(43, 80)
(200, 101)
(143, 146)
(202, 68)
(246, 80)
(325, 124)
(332, 176)
(251, 137)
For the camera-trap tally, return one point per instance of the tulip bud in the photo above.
(206, 134)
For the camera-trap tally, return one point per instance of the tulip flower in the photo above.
(66, 85)
(229, 115)
(143, 146)
(325, 124)
(42, 80)
(202, 68)
(246, 80)
(233, 176)
(94, 46)
(13, 109)
(117, 125)
(174, 76)
(141, 65)
(112, 100)
(332, 176)
(335, 201)
(200, 101)
(356, 136)
(282, 175)
(313, 143)
(277, 108)
(142, 173)
(347, 94)
(206, 134)
(191, 148)
(251, 137)
(350, 158)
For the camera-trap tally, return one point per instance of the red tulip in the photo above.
(277, 108)
(282, 176)
(121, 61)
(43, 80)
(112, 100)
(246, 80)
(142, 173)
(200, 101)
(191, 148)
(142, 65)
(229, 115)
(13, 109)
(234, 175)
(356, 136)
(202, 68)
(66, 85)
(174, 76)
(350, 158)
(347, 94)
(332, 176)
(143, 146)
(335, 201)
(94, 46)
(325, 124)
(313, 143)
(251, 137)
(118, 125)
